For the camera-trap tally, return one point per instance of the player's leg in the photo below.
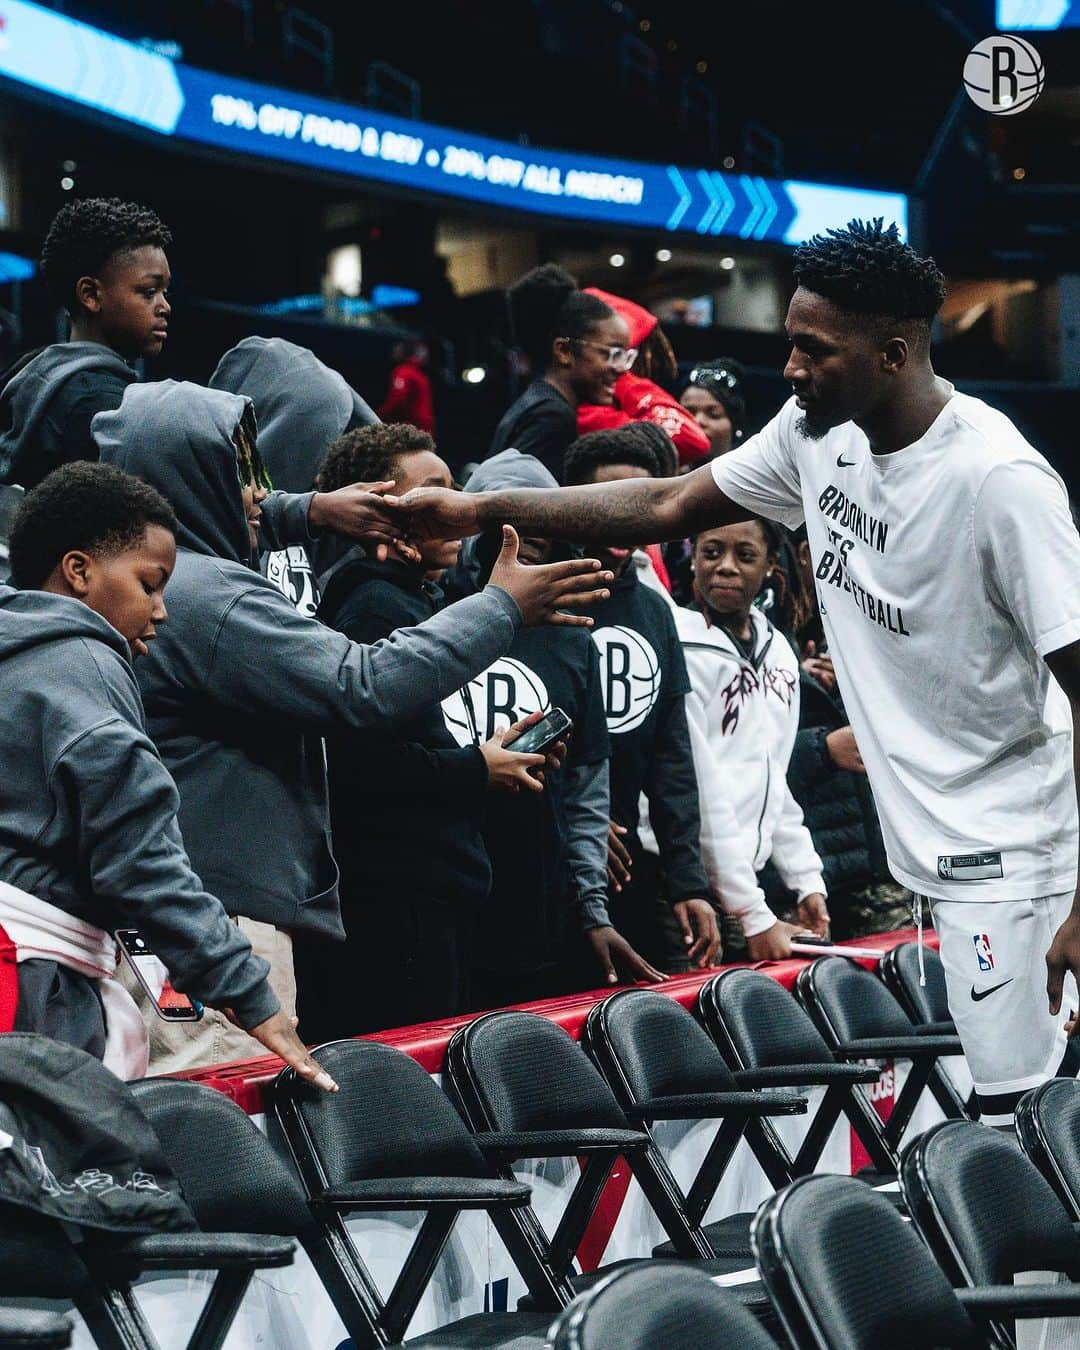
(995, 971)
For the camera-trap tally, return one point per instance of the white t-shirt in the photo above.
(945, 572)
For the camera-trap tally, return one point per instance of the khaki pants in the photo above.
(176, 1046)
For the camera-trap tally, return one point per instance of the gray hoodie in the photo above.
(47, 404)
(239, 687)
(302, 405)
(87, 810)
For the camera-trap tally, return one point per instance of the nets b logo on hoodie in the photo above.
(505, 693)
(290, 571)
(629, 677)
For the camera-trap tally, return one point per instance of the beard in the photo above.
(813, 425)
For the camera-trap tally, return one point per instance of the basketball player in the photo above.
(948, 572)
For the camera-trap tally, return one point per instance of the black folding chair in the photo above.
(659, 1304)
(33, 1330)
(1048, 1128)
(661, 1065)
(861, 1020)
(528, 1091)
(987, 1214)
(390, 1141)
(769, 1041)
(927, 1005)
(846, 1272)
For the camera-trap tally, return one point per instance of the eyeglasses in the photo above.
(618, 358)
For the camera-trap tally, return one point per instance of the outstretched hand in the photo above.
(542, 592)
(438, 513)
(365, 512)
(617, 958)
(278, 1034)
(700, 931)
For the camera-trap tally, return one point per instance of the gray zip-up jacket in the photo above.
(87, 809)
(239, 687)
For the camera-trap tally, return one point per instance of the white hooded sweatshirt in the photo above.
(743, 715)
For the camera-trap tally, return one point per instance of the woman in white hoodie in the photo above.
(743, 713)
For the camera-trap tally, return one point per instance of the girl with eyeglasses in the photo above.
(577, 347)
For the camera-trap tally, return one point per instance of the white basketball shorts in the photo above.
(994, 954)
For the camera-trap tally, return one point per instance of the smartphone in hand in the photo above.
(541, 736)
(169, 1003)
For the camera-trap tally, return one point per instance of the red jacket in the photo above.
(640, 400)
(409, 398)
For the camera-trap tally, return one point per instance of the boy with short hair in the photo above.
(87, 810)
(104, 261)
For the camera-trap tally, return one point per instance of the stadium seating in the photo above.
(661, 1065)
(860, 1019)
(528, 1091)
(389, 1141)
(1048, 1128)
(769, 1041)
(660, 1304)
(33, 1330)
(928, 1007)
(987, 1214)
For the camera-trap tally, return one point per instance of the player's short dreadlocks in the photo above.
(866, 269)
(85, 234)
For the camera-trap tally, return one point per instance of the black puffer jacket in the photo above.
(837, 804)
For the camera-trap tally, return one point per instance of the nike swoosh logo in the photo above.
(977, 995)
(842, 463)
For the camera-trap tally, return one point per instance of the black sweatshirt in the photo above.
(644, 680)
(542, 423)
(406, 825)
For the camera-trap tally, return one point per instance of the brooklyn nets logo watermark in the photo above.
(1003, 75)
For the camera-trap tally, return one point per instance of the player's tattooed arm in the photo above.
(1064, 952)
(632, 511)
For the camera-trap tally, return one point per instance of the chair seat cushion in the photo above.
(488, 1331)
(729, 1238)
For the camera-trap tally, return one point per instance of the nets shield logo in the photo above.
(983, 951)
(505, 693)
(290, 571)
(629, 677)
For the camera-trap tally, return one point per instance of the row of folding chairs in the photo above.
(521, 1088)
(845, 1271)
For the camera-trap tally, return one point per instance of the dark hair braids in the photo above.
(366, 454)
(95, 508)
(85, 234)
(867, 269)
(621, 445)
(546, 304)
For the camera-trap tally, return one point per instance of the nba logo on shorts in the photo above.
(983, 952)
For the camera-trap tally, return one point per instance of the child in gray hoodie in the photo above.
(88, 823)
(241, 687)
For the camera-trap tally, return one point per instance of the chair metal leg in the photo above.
(114, 1319)
(220, 1309)
(415, 1274)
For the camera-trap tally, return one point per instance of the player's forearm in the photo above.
(628, 512)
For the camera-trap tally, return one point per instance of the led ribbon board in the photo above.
(85, 66)
(1014, 16)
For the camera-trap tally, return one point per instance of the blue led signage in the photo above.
(83, 65)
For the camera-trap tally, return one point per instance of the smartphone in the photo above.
(151, 973)
(542, 735)
(809, 944)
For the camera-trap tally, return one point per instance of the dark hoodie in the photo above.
(301, 404)
(239, 687)
(47, 403)
(412, 828)
(87, 810)
(548, 852)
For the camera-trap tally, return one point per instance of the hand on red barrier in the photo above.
(611, 949)
(700, 931)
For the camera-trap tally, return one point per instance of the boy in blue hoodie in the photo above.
(88, 822)
(104, 262)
